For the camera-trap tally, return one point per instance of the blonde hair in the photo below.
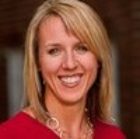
(83, 22)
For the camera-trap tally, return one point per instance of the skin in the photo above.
(69, 69)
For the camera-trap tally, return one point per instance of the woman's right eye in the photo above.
(53, 51)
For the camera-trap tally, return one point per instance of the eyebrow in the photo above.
(53, 44)
(57, 44)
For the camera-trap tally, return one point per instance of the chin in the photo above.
(72, 97)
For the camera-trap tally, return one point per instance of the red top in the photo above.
(22, 126)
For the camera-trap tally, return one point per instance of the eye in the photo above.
(82, 48)
(53, 51)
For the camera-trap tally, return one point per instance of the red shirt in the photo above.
(22, 126)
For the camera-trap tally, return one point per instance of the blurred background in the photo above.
(122, 20)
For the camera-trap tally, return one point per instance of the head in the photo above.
(85, 24)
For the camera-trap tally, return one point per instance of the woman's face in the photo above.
(68, 67)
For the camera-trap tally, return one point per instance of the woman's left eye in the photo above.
(82, 48)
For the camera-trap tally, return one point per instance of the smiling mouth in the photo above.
(70, 81)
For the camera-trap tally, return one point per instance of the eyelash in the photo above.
(82, 48)
(53, 51)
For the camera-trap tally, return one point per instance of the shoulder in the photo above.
(23, 126)
(11, 126)
(108, 131)
(17, 126)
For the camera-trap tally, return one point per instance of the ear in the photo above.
(99, 65)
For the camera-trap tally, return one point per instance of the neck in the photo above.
(72, 118)
(68, 115)
(71, 130)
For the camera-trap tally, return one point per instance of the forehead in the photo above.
(52, 21)
(54, 29)
(55, 23)
(69, 25)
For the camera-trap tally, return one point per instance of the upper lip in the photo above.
(70, 75)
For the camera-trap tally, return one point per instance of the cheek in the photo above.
(90, 63)
(92, 70)
(48, 65)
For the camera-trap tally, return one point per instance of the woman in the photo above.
(68, 77)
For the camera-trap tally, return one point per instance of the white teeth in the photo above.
(70, 79)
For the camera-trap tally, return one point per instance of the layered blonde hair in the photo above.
(85, 24)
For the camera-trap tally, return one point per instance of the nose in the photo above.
(70, 61)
